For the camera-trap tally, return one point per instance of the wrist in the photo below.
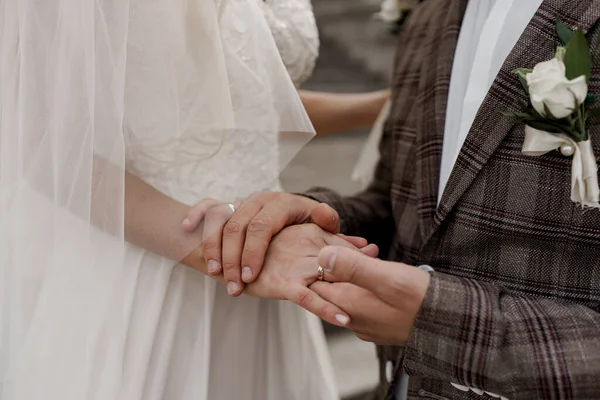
(415, 286)
(195, 260)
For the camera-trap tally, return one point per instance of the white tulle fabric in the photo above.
(192, 97)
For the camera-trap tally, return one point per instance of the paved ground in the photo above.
(356, 55)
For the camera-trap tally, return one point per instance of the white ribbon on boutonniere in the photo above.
(557, 114)
(584, 171)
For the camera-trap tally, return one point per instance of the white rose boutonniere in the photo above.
(549, 88)
(558, 111)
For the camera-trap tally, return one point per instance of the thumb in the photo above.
(347, 265)
(326, 218)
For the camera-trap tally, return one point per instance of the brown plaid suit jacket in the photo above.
(514, 305)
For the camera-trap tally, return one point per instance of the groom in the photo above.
(512, 308)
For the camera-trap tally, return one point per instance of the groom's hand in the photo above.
(382, 298)
(236, 244)
(291, 266)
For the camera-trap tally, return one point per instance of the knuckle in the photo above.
(259, 225)
(232, 227)
(230, 267)
(352, 271)
(323, 311)
(303, 299)
(209, 246)
(253, 258)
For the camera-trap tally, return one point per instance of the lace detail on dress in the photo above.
(295, 31)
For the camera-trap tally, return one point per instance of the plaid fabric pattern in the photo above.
(514, 305)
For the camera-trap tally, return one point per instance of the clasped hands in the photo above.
(272, 245)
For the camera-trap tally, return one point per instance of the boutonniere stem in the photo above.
(558, 109)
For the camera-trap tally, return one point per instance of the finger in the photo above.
(355, 240)
(326, 217)
(346, 265)
(195, 214)
(212, 233)
(326, 290)
(311, 301)
(234, 236)
(271, 219)
(391, 282)
(370, 250)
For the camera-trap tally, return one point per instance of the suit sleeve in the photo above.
(479, 335)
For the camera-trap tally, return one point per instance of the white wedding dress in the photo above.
(161, 332)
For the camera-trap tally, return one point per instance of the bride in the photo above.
(115, 116)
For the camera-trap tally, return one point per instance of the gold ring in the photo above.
(320, 273)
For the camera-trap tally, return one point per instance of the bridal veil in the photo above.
(71, 73)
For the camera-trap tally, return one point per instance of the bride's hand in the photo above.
(290, 267)
(235, 245)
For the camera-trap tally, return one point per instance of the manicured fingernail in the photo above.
(246, 274)
(186, 222)
(342, 319)
(329, 255)
(232, 287)
(213, 266)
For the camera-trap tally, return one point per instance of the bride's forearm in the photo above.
(338, 112)
(153, 221)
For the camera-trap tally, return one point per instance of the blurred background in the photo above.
(356, 56)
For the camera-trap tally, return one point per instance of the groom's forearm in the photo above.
(339, 112)
(478, 335)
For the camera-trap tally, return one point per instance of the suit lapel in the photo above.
(439, 48)
(538, 43)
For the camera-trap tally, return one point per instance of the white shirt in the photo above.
(489, 32)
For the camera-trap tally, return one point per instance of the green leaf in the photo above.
(521, 74)
(524, 84)
(592, 113)
(564, 33)
(578, 59)
(524, 115)
(522, 71)
(545, 126)
(591, 99)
